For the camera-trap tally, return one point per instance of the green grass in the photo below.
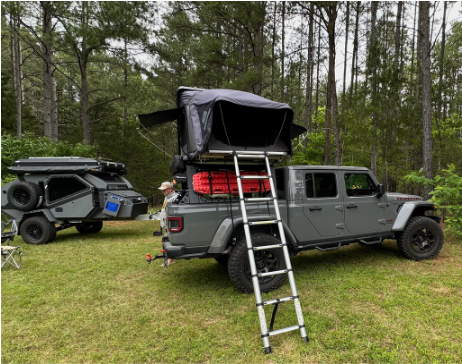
(94, 299)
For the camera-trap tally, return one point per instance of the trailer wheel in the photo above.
(266, 261)
(24, 196)
(89, 227)
(421, 239)
(37, 230)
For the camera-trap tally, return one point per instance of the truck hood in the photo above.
(395, 197)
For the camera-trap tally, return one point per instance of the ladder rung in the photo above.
(271, 302)
(255, 177)
(275, 273)
(247, 152)
(275, 246)
(253, 156)
(266, 222)
(258, 199)
(285, 329)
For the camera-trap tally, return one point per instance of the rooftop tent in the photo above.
(227, 120)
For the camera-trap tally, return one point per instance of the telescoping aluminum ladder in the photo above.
(265, 333)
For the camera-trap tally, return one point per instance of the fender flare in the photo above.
(225, 230)
(410, 209)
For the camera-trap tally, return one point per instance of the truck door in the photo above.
(364, 212)
(323, 204)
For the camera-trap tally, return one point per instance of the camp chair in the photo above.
(10, 254)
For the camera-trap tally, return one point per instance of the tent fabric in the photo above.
(220, 119)
(160, 117)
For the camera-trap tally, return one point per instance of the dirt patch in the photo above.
(116, 223)
(442, 290)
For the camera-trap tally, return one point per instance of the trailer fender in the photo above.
(226, 229)
(410, 209)
(41, 212)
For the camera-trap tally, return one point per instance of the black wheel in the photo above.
(421, 239)
(37, 230)
(24, 196)
(223, 259)
(89, 227)
(265, 260)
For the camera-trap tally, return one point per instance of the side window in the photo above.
(309, 185)
(359, 185)
(319, 185)
(59, 187)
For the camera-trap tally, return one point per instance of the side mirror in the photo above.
(380, 190)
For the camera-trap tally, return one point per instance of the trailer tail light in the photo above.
(175, 224)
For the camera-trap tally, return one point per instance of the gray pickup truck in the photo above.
(322, 207)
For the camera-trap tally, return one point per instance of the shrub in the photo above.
(446, 194)
(29, 145)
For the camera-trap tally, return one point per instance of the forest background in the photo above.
(376, 84)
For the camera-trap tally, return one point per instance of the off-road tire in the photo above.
(89, 227)
(24, 196)
(266, 261)
(37, 230)
(421, 239)
(223, 259)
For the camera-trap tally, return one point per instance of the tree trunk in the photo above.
(332, 93)
(16, 57)
(332, 103)
(50, 102)
(346, 47)
(85, 102)
(440, 97)
(125, 116)
(398, 35)
(273, 46)
(259, 20)
(373, 65)
(309, 76)
(318, 53)
(424, 35)
(354, 62)
(283, 49)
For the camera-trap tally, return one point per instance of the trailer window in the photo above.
(60, 187)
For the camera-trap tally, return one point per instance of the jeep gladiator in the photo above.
(322, 207)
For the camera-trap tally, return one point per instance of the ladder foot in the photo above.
(306, 339)
(268, 350)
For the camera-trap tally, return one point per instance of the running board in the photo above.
(328, 249)
(377, 242)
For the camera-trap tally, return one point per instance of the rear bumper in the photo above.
(173, 251)
(181, 252)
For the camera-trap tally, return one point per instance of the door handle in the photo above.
(315, 208)
(352, 207)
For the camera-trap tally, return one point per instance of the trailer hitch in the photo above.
(159, 256)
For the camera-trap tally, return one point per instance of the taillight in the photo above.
(175, 224)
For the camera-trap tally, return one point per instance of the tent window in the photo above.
(247, 126)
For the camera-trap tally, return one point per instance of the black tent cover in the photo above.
(220, 119)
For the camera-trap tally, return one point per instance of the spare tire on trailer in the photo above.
(24, 196)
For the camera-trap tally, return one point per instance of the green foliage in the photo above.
(313, 153)
(29, 145)
(447, 195)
